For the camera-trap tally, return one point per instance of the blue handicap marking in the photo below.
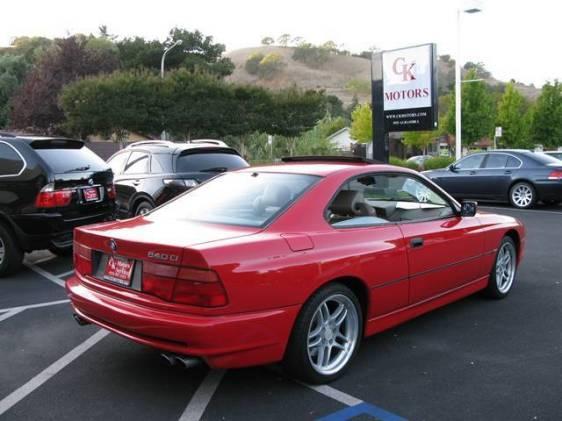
(362, 409)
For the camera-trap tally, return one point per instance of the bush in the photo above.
(270, 65)
(253, 63)
(403, 163)
(438, 162)
(311, 55)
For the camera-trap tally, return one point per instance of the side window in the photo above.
(116, 163)
(385, 198)
(496, 160)
(137, 163)
(470, 162)
(156, 164)
(10, 162)
(512, 162)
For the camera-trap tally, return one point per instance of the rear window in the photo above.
(544, 158)
(66, 160)
(209, 161)
(247, 199)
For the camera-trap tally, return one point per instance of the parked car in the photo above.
(519, 177)
(419, 160)
(48, 186)
(293, 262)
(149, 173)
(554, 154)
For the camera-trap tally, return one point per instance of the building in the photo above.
(342, 139)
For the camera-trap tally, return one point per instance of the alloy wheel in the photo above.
(522, 195)
(333, 334)
(505, 267)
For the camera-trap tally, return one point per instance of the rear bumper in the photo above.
(549, 189)
(225, 341)
(40, 230)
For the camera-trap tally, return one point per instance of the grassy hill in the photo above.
(335, 75)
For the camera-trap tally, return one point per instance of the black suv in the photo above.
(48, 186)
(151, 172)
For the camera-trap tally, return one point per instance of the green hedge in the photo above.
(438, 162)
(403, 163)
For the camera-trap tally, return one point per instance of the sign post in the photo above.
(404, 93)
(497, 134)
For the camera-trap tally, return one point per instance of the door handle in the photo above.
(136, 182)
(507, 172)
(416, 242)
(472, 172)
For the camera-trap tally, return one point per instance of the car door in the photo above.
(133, 176)
(459, 179)
(444, 249)
(494, 178)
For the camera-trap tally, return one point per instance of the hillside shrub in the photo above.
(311, 55)
(270, 65)
(253, 63)
(438, 162)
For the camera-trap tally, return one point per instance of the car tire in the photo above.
(11, 255)
(522, 195)
(504, 271)
(333, 319)
(143, 208)
(61, 251)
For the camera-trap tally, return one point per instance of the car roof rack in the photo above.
(156, 142)
(209, 141)
(345, 159)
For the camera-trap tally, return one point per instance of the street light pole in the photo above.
(164, 135)
(178, 42)
(458, 102)
(458, 129)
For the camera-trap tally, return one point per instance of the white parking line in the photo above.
(9, 314)
(202, 396)
(45, 274)
(39, 305)
(20, 393)
(335, 394)
(65, 274)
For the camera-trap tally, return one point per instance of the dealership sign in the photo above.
(410, 88)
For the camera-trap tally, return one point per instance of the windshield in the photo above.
(248, 199)
(209, 161)
(62, 160)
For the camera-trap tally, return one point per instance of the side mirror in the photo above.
(453, 168)
(468, 208)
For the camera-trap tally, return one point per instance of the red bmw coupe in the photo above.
(294, 262)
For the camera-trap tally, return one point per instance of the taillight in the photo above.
(555, 175)
(82, 259)
(110, 191)
(197, 287)
(48, 197)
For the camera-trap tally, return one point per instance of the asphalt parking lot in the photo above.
(474, 359)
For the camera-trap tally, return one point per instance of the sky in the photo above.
(515, 39)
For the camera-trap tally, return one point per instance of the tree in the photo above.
(311, 55)
(35, 105)
(478, 112)
(512, 117)
(12, 72)
(362, 123)
(358, 86)
(546, 127)
(480, 71)
(284, 39)
(267, 41)
(295, 112)
(196, 52)
(421, 139)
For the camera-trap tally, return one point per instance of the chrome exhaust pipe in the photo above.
(175, 359)
(80, 320)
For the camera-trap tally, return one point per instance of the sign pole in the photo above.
(380, 137)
